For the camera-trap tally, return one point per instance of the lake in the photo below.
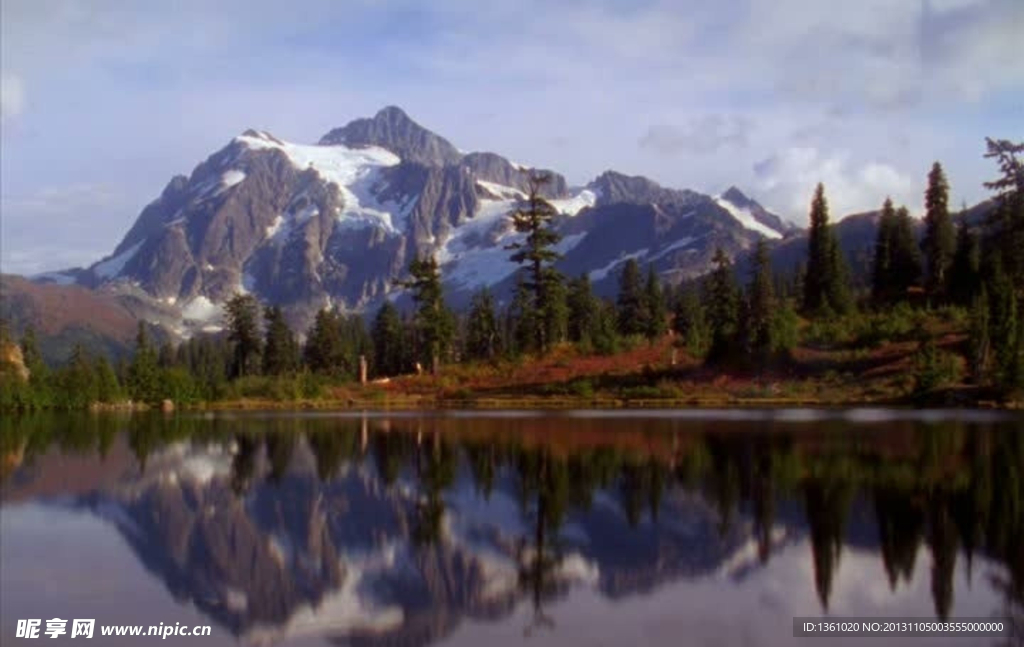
(511, 528)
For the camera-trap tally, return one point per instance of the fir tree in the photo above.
(631, 312)
(524, 317)
(881, 269)
(583, 309)
(939, 238)
(388, 341)
(143, 377)
(243, 332)
(536, 253)
(280, 354)
(826, 279)
(906, 256)
(689, 322)
(760, 305)
(654, 307)
(964, 273)
(108, 389)
(1007, 223)
(435, 326)
(324, 353)
(482, 338)
(723, 307)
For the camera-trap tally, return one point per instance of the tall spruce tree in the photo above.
(655, 323)
(906, 255)
(722, 299)
(482, 334)
(434, 323)
(281, 350)
(761, 306)
(964, 273)
(939, 237)
(1006, 227)
(881, 269)
(583, 310)
(631, 312)
(244, 334)
(324, 352)
(826, 278)
(143, 373)
(537, 254)
(388, 341)
(690, 323)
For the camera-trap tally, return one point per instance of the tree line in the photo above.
(751, 322)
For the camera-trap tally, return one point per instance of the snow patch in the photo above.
(579, 202)
(355, 171)
(200, 309)
(746, 218)
(231, 178)
(501, 191)
(679, 244)
(112, 266)
(602, 272)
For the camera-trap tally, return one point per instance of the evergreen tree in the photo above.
(108, 389)
(324, 353)
(524, 317)
(38, 371)
(536, 253)
(690, 323)
(605, 337)
(631, 312)
(78, 384)
(435, 326)
(388, 341)
(654, 307)
(243, 332)
(826, 279)
(482, 338)
(881, 271)
(143, 374)
(760, 305)
(1007, 224)
(906, 256)
(722, 301)
(556, 312)
(280, 355)
(583, 309)
(964, 273)
(939, 238)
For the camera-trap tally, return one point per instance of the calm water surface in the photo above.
(583, 528)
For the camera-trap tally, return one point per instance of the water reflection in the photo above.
(394, 530)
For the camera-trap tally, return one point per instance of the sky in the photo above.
(102, 102)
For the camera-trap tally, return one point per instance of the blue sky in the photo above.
(103, 101)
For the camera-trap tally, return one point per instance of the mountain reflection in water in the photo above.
(424, 529)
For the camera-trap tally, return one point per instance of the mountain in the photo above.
(335, 223)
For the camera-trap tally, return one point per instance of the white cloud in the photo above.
(704, 134)
(12, 96)
(787, 179)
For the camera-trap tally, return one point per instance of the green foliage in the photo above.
(826, 279)
(482, 336)
(630, 300)
(583, 310)
(690, 323)
(281, 350)
(324, 352)
(723, 304)
(935, 368)
(939, 237)
(143, 373)
(434, 323)
(388, 333)
(965, 271)
(537, 255)
(655, 315)
(243, 332)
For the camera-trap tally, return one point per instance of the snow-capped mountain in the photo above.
(335, 223)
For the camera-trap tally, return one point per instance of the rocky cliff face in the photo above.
(333, 224)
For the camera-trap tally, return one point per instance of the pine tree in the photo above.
(388, 341)
(537, 254)
(760, 306)
(819, 279)
(690, 323)
(881, 271)
(143, 374)
(631, 312)
(583, 308)
(839, 295)
(964, 273)
(107, 387)
(1007, 223)
(280, 355)
(655, 323)
(324, 353)
(39, 377)
(722, 307)
(939, 238)
(556, 312)
(435, 325)
(243, 332)
(524, 317)
(906, 256)
(482, 338)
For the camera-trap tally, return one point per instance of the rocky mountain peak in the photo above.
(737, 197)
(393, 129)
